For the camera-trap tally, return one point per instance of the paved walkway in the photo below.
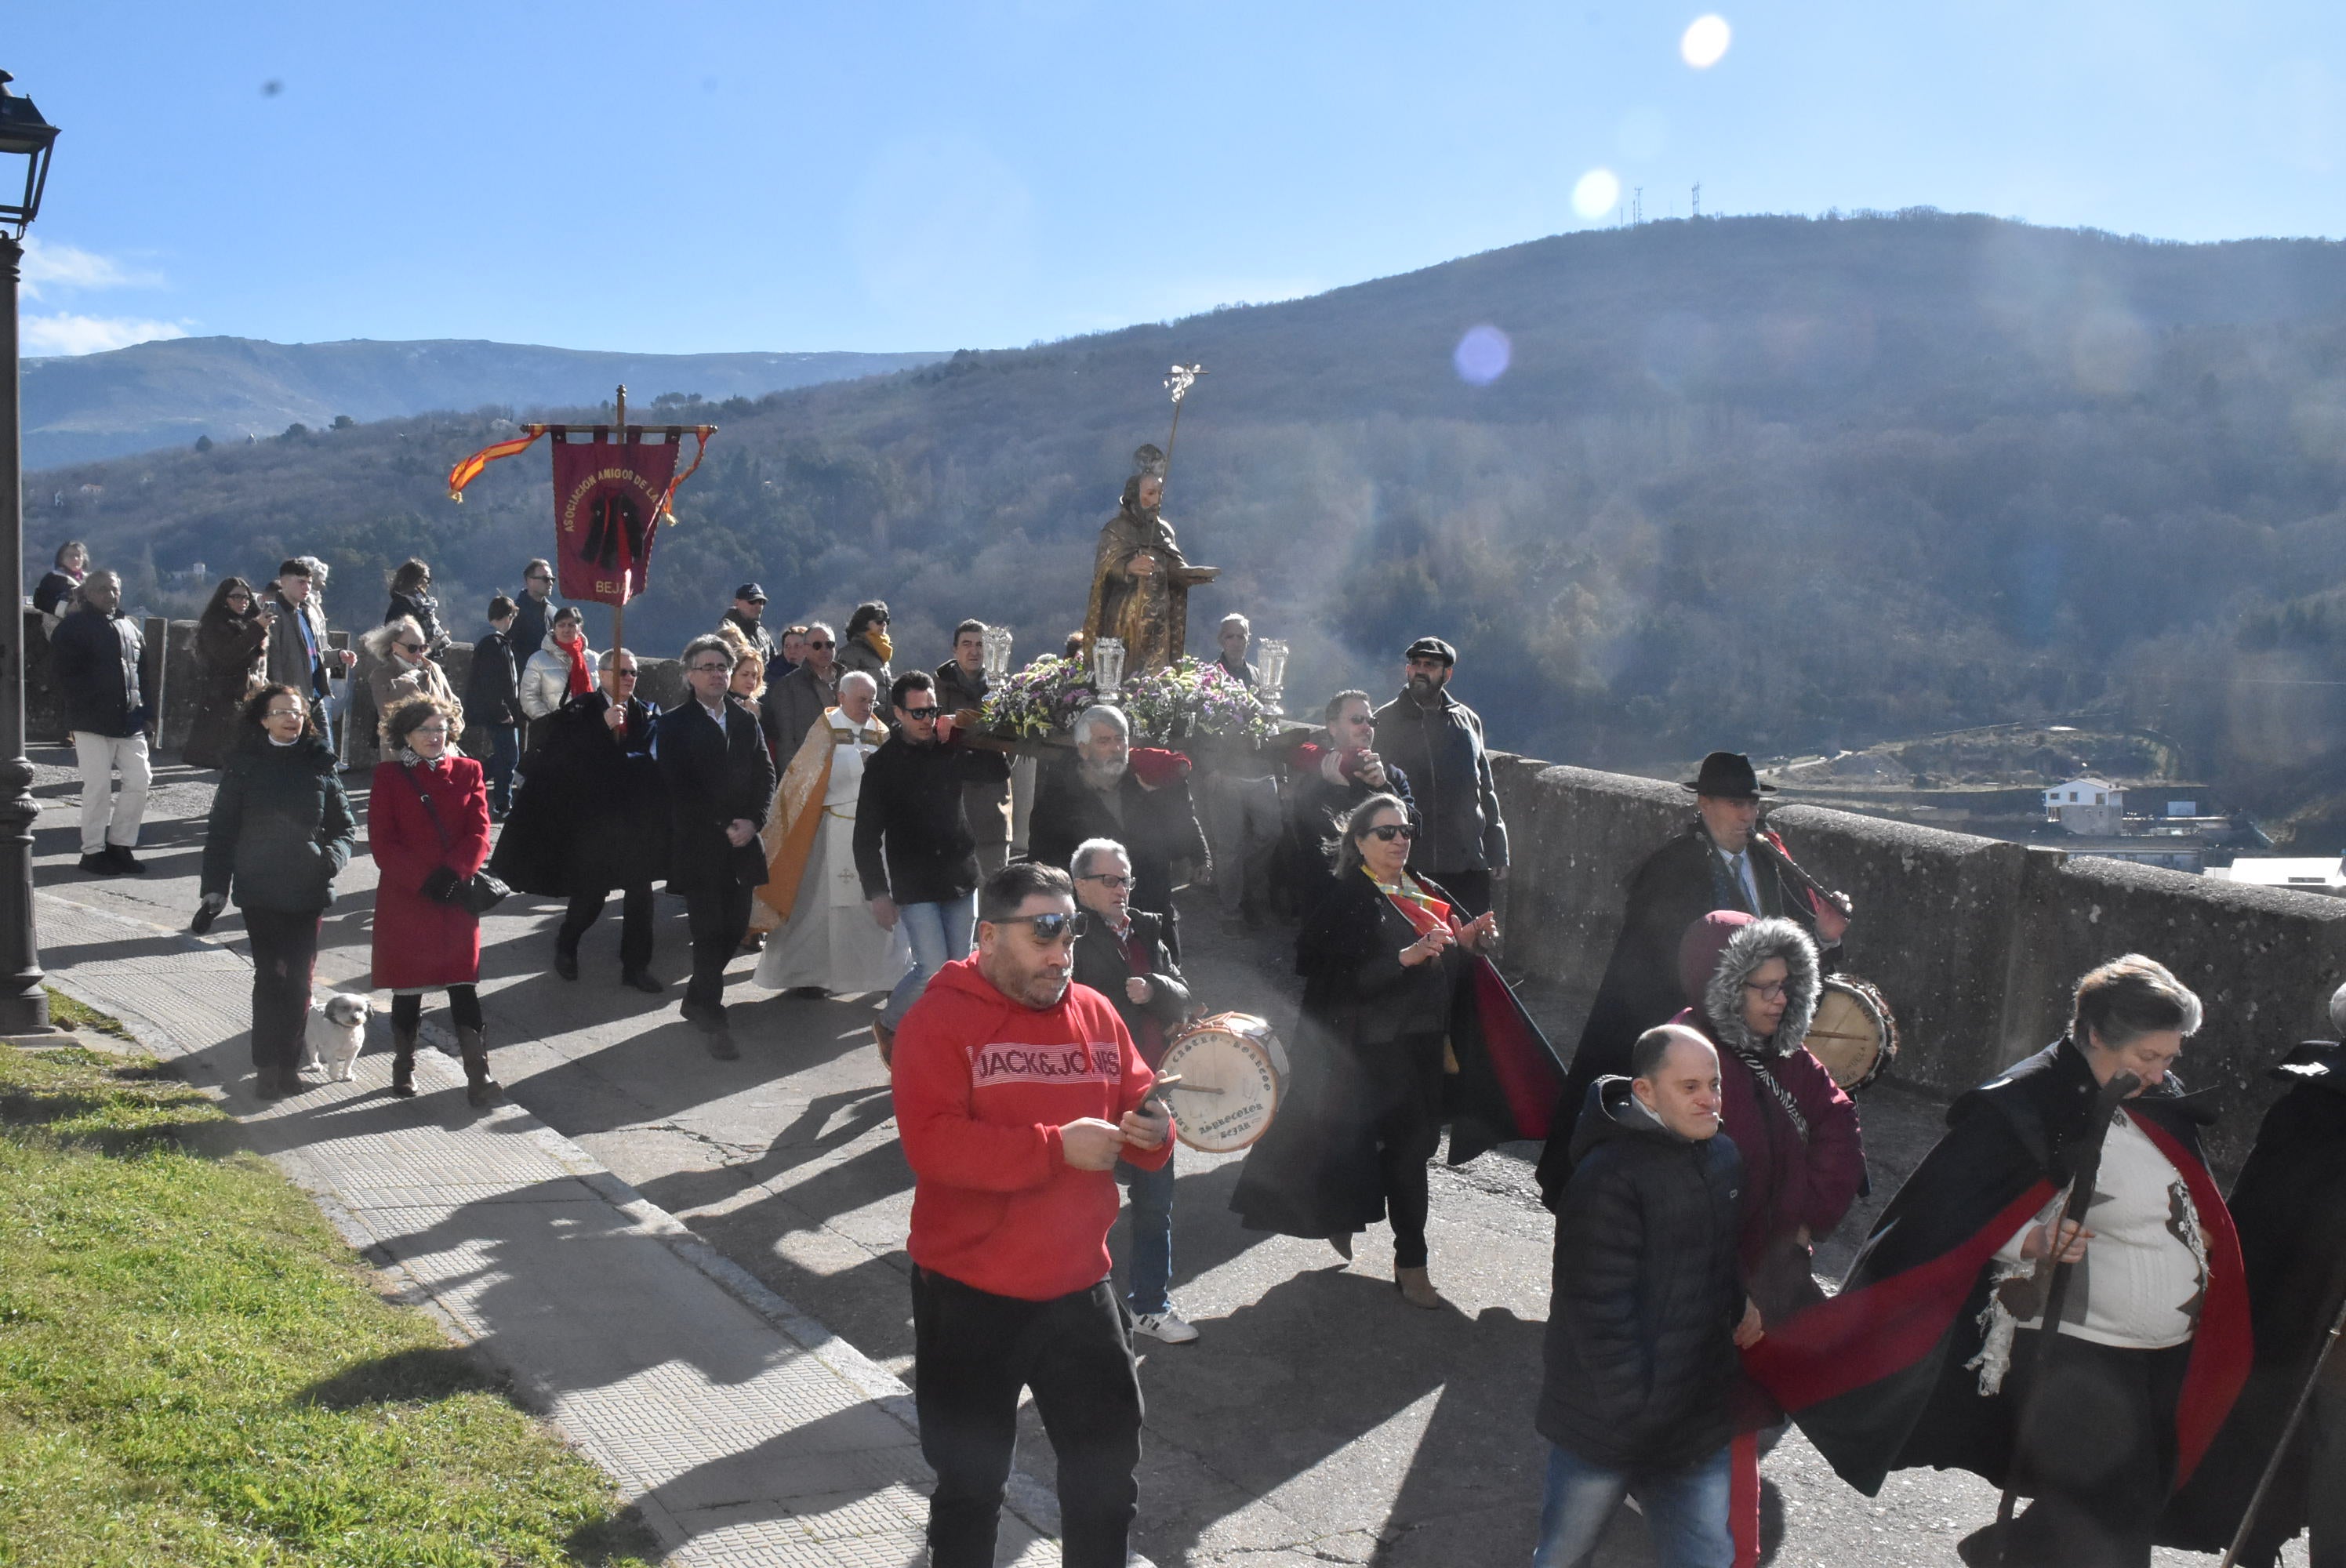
(1318, 1420)
(746, 1432)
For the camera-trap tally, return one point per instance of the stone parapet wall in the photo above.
(1975, 941)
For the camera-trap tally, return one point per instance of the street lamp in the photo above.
(23, 1004)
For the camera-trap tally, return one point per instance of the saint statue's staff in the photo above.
(1178, 381)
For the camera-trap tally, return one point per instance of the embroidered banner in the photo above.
(608, 496)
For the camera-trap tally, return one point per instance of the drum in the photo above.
(1855, 1034)
(1230, 1066)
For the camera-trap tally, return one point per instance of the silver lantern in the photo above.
(997, 652)
(1272, 652)
(1107, 664)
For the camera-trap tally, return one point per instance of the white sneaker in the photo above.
(1168, 1326)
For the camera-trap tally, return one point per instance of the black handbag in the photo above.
(480, 892)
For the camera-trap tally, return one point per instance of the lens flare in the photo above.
(1482, 356)
(1598, 193)
(1704, 43)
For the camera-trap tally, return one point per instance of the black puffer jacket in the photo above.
(280, 828)
(1641, 1361)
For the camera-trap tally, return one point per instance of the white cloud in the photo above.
(70, 266)
(66, 333)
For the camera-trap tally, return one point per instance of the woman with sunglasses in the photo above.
(231, 641)
(401, 666)
(1753, 985)
(1380, 956)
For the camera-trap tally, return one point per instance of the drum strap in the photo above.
(1783, 1095)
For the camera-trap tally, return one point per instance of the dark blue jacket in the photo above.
(280, 827)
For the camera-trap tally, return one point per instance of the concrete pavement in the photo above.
(1318, 1420)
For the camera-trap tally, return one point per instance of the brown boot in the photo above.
(403, 1063)
(1416, 1288)
(479, 1087)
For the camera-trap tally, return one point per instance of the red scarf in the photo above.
(581, 683)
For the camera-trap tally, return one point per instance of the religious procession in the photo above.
(2059, 1300)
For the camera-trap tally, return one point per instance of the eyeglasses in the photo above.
(413, 647)
(439, 729)
(1054, 927)
(628, 674)
(538, 578)
(1773, 991)
(919, 715)
(816, 645)
(1111, 883)
(712, 669)
(1389, 832)
(285, 713)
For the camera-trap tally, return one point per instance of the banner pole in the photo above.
(619, 610)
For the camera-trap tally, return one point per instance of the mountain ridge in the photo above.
(87, 407)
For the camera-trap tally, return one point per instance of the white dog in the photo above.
(335, 1033)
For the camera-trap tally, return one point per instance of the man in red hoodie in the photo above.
(1016, 1093)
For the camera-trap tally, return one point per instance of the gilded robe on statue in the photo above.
(828, 937)
(1147, 610)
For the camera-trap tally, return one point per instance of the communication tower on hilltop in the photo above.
(1697, 199)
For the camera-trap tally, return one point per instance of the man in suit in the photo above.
(298, 655)
(1718, 862)
(720, 784)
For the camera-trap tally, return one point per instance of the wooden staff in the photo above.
(2056, 1297)
(619, 610)
(2288, 1432)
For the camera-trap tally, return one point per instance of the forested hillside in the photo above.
(1776, 484)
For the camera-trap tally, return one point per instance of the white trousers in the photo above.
(101, 757)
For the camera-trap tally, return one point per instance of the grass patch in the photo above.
(194, 1371)
(83, 1019)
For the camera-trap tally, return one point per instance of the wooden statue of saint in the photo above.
(1140, 584)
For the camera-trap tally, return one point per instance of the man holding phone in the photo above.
(1015, 1095)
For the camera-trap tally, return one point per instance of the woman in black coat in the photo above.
(411, 595)
(231, 638)
(280, 830)
(1380, 956)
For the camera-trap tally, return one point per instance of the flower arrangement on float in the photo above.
(1188, 700)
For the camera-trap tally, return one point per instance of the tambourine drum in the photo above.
(1230, 1066)
(1855, 1034)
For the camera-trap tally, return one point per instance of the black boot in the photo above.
(403, 1063)
(565, 955)
(479, 1087)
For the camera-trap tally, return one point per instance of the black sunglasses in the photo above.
(1049, 927)
(816, 645)
(918, 712)
(1389, 832)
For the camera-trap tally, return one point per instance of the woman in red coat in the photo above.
(427, 820)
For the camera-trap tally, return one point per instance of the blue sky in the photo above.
(692, 176)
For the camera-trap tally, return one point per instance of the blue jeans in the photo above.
(1686, 1510)
(939, 935)
(1152, 1236)
(504, 754)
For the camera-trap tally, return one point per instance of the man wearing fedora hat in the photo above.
(1720, 861)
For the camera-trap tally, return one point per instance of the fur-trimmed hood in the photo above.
(1721, 951)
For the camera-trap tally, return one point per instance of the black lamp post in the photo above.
(24, 1005)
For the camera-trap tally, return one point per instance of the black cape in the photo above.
(591, 813)
(1315, 1172)
(1673, 888)
(2289, 1208)
(1876, 1376)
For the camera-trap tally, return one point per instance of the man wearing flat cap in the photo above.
(1437, 740)
(1718, 862)
(747, 616)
